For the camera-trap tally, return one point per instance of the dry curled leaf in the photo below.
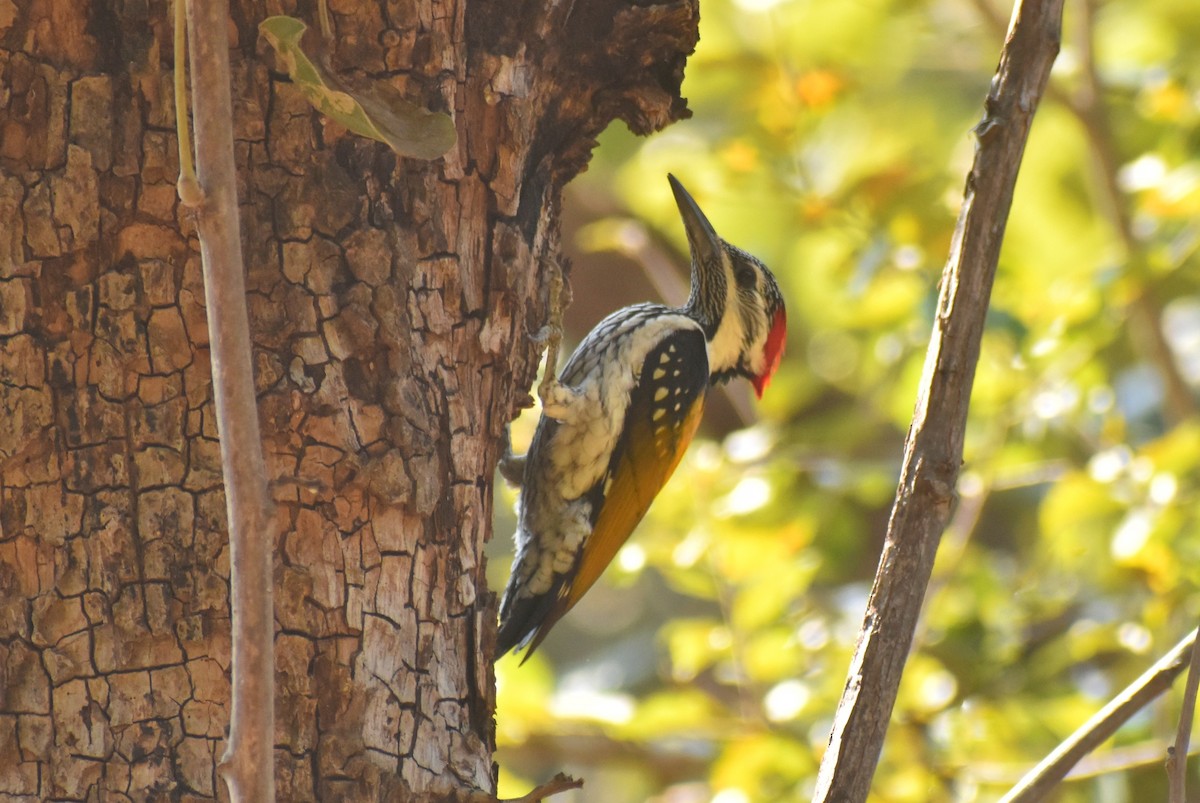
(374, 110)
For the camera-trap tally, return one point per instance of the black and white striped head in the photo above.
(735, 299)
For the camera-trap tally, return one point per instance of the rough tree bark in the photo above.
(390, 302)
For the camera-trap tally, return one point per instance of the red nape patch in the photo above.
(773, 351)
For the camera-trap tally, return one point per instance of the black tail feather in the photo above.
(526, 621)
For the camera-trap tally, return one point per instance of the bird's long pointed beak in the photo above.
(706, 245)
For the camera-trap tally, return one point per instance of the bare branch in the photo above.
(1145, 313)
(559, 783)
(1177, 754)
(248, 763)
(1053, 768)
(933, 451)
(186, 186)
(1113, 759)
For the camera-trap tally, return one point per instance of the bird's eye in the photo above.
(744, 274)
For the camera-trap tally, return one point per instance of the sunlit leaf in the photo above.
(680, 712)
(766, 766)
(694, 645)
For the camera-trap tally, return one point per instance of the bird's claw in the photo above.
(548, 390)
(545, 334)
(510, 464)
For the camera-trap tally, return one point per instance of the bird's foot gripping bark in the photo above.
(511, 465)
(557, 399)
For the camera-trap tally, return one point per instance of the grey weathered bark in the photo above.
(390, 304)
(934, 447)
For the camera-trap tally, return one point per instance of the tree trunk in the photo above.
(391, 304)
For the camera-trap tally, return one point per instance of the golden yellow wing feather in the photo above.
(642, 470)
(662, 416)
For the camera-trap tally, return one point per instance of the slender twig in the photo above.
(1112, 760)
(1177, 754)
(1042, 779)
(559, 783)
(325, 20)
(1123, 759)
(186, 186)
(248, 763)
(1144, 312)
(933, 450)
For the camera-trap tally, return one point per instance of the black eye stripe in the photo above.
(744, 274)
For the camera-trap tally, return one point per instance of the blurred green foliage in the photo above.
(832, 140)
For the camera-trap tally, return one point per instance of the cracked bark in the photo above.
(389, 301)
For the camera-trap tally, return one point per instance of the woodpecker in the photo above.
(620, 416)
